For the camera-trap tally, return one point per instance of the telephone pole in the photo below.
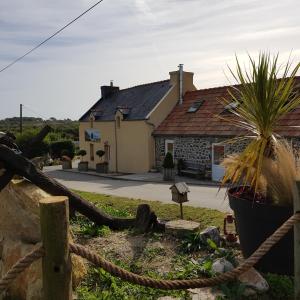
(21, 118)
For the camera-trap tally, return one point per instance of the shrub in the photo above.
(57, 148)
(100, 153)
(81, 152)
(38, 149)
(168, 161)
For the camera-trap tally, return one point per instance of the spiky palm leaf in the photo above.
(262, 100)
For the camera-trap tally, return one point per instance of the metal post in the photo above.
(21, 118)
(297, 243)
(57, 268)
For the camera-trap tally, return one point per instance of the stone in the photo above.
(221, 265)
(19, 234)
(206, 293)
(213, 233)
(254, 280)
(181, 228)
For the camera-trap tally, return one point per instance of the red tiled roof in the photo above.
(204, 122)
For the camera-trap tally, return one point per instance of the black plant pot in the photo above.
(83, 166)
(102, 167)
(255, 222)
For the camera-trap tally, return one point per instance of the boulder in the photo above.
(181, 228)
(206, 294)
(19, 234)
(221, 265)
(213, 233)
(254, 280)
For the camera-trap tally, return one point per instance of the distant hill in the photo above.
(62, 129)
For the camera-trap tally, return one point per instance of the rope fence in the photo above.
(125, 275)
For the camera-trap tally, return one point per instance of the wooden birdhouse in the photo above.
(179, 192)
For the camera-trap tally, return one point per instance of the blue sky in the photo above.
(131, 42)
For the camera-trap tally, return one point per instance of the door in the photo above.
(169, 147)
(218, 153)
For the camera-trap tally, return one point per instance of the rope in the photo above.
(191, 283)
(19, 267)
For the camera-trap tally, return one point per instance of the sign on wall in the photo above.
(92, 135)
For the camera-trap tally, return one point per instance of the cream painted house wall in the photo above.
(132, 146)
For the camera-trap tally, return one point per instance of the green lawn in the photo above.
(121, 206)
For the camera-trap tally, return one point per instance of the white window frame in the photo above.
(169, 142)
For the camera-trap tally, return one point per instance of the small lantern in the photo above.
(179, 192)
(230, 229)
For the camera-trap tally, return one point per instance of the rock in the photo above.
(19, 234)
(181, 228)
(222, 265)
(205, 294)
(213, 233)
(254, 280)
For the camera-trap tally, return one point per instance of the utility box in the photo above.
(179, 192)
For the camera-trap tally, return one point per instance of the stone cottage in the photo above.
(192, 131)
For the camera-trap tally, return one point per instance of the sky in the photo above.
(131, 42)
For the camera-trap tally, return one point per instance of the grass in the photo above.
(126, 207)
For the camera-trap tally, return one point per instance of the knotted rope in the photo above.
(20, 266)
(114, 270)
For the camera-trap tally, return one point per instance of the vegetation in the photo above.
(168, 161)
(185, 262)
(38, 149)
(81, 153)
(64, 147)
(126, 207)
(62, 129)
(262, 98)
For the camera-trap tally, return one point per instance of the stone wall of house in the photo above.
(195, 150)
(198, 150)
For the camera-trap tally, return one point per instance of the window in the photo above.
(92, 157)
(169, 147)
(195, 106)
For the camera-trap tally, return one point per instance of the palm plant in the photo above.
(262, 98)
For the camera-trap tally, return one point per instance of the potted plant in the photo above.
(168, 167)
(66, 160)
(82, 165)
(180, 166)
(101, 167)
(263, 174)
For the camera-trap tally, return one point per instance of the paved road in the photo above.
(199, 196)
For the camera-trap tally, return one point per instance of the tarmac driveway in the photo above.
(199, 196)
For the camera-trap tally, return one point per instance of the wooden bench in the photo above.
(194, 170)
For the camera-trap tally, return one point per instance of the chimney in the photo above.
(108, 90)
(180, 83)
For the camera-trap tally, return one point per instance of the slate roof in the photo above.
(204, 122)
(137, 102)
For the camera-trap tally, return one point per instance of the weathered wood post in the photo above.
(57, 268)
(297, 243)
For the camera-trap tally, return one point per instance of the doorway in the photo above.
(218, 154)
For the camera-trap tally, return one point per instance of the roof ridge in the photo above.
(225, 86)
(144, 84)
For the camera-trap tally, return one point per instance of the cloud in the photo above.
(132, 42)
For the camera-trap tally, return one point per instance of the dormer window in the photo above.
(195, 106)
(232, 105)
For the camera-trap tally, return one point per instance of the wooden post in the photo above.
(297, 243)
(181, 211)
(57, 268)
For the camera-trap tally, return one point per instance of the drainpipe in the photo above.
(180, 83)
(116, 145)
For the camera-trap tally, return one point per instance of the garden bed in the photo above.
(157, 255)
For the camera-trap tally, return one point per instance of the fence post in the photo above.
(57, 267)
(297, 243)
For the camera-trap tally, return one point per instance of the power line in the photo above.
(50, 37)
